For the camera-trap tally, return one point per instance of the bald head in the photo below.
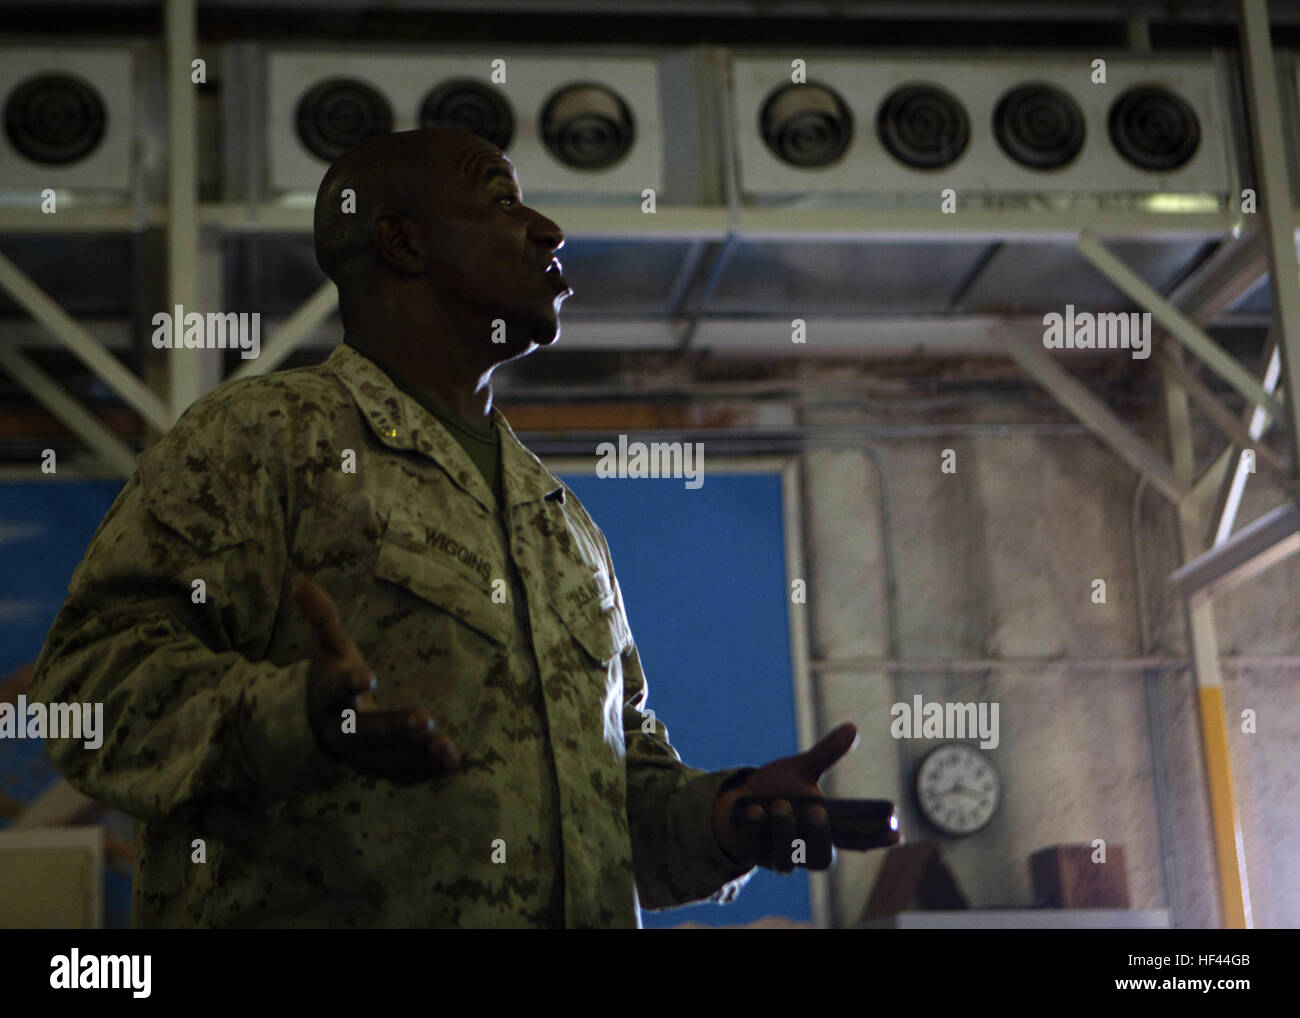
(387, 173)
(434, 252)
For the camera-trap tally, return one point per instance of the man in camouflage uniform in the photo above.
(379, 553)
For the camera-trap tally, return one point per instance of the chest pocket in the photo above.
(436, 639)
(599, 635)
(593, 619)
(437, 578)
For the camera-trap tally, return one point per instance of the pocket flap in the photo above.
(599, 628)
(444, 587)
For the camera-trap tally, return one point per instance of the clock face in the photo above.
(958, 789)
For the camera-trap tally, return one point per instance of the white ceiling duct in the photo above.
(877, 125)
(572, 126)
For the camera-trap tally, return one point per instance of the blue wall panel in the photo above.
(44, 529)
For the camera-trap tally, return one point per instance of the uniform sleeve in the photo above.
(676, 856)
(192, 714)
(670, 811)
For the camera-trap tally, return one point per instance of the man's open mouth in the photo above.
(554, 274)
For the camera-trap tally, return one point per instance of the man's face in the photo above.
(489, 253)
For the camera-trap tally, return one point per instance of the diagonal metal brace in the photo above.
(88, 349)
(1095, 415)
(1178, 324)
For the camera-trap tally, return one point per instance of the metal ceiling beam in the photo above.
(115, 453)
(1269, 539)
(684, 279)
(717, 266)
(863, 337)
(1158, 11)
(297, 328)
(830, 222)
(1027, 350)
(1206, 296)
(1219, 413)
(1175, 321)
(972, 277)
(1275, 204)
(1231, 486)
(1222, 279)
(87, 349)
(705, 222)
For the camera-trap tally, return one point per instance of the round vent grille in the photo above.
(470, 105)
(340, 113)
(923, 126)
(806, 125)
(1153, 128)
(1039, 126)
(587, 126)
(55, 119)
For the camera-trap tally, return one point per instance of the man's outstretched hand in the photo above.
(764, 837)
(401, 745)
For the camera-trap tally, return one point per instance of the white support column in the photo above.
(1229, 850)
(184, 382)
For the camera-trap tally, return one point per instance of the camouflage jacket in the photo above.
(565, 781)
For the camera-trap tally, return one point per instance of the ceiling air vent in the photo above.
(806, 125)
(473, 106)
(55, 119)
(340, 113)
(577, 125)
(587, 126)
(70, 120)
(923, 126)
(1153, 128)
(1010, 124)
(1039, 126)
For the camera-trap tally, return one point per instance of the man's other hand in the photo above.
(400, 745)
(765, 837)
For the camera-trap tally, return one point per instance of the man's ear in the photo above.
(399, 242)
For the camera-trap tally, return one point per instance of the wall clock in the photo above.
(957, 789)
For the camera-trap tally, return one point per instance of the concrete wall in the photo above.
(997, 561)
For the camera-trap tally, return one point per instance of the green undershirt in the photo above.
(482, 445)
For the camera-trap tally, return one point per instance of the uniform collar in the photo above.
(400, 422)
